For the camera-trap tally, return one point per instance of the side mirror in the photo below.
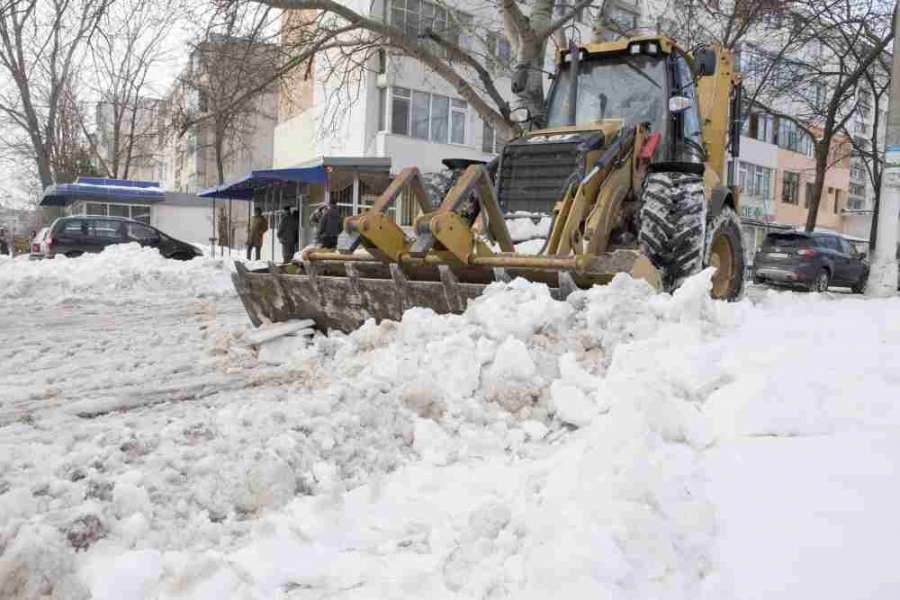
(863, 256)
(679, 104)
(705, 62)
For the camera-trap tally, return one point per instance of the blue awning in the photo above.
(244, 187)
(315, 171)
(103, 190)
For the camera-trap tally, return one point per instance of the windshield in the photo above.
(625, 87)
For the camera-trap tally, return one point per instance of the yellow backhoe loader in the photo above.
(631, 165)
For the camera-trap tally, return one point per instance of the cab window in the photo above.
(689, 141)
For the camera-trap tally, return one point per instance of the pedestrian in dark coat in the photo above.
(330, 226)
(287, 234)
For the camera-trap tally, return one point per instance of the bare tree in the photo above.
(233, 70)
(352, 36)
(820, 88)
(129, 43)
(42, 43)
(866, 152)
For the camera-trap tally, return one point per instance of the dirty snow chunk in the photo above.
(573, 374)
(535, 430)
(282, 350)
(692, 297)
(130, 499)
(570, 405)
(524, 229)
(134, 574)
(531, 246)
(519, 308)
(432, 443)
(512, 380)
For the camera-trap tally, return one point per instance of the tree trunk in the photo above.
(822, 147)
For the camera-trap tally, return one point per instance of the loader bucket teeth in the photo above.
(341, 292)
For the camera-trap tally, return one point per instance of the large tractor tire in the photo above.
(673, 225)
(677, 237)
(725, 252)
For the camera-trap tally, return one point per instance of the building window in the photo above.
(837, 201)
(428, 116)
(790, 188)
(621, 19)
(807, 197)
(857, 189)
(499, 48)
(382, 108)
(859, 126)
(415, 16)
(458, 111)
(762, 127)
(400, 111)
(491, 141)
(791, 137)
(755, 181)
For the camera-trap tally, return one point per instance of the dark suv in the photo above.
(810, 260)
(73, 236)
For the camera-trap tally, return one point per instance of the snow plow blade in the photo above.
(340, 291)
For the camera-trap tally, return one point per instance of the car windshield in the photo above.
(788, 240)
(630, 88)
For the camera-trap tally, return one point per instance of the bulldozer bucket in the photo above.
(341, 292)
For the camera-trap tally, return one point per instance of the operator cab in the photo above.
(647, 81)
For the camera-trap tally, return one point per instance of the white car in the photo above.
(39, 245)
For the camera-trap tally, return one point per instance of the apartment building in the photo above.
(128, 138)
(401, 109)
(187, 161)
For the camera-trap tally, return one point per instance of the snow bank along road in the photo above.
(618, 445)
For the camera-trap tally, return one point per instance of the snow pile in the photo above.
(120, 270)
(528, 448)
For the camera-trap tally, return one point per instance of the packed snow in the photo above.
(620, 444)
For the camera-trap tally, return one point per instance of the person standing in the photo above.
(287, 235)
(258, 227)
(329, 226)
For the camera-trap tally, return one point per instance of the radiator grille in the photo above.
(532, 176)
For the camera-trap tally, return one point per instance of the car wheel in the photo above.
(757, 280)
(180, 256)
(74, 254)
(821, 283)
(860, 286)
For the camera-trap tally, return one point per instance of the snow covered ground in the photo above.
(618, 445)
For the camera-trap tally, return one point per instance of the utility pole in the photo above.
(883, 275)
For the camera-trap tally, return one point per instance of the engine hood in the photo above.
(590, 136)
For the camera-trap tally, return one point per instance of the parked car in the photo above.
(73, 236)
(38, 244)
(813, 261)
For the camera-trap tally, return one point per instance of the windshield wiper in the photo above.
(640, 72)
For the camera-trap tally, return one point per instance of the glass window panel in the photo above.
(458, 127)
(95, 208)
(141, 213)
(420, 115)
(487, 137)
(440, 117)
(400, 115)
(118, 210)
(461, 104)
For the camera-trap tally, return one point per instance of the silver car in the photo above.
(39, 245)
